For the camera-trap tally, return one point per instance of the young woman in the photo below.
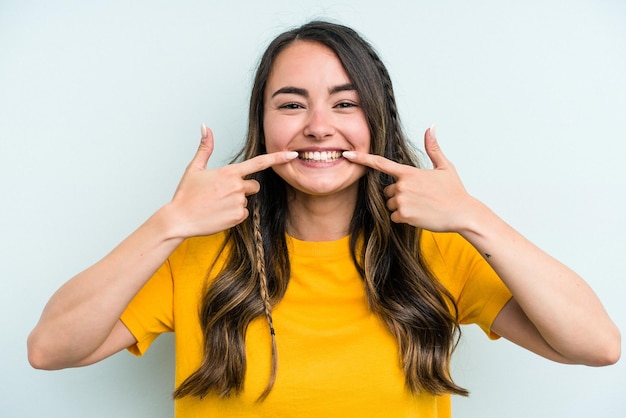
(325, 274)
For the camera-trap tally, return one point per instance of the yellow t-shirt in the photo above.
(336, 359)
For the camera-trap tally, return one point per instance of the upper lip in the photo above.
(319, 149)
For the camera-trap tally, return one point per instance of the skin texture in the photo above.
(80, 324)
(553, 313)
(310, 107)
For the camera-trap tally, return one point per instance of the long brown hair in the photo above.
(415, 307)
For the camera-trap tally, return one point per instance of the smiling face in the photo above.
(311, 106)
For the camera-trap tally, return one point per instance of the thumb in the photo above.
(201, 159)
(433, 150)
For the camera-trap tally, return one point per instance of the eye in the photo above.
(345, 105)
(290, 106)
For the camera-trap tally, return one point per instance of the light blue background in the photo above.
(100, 108)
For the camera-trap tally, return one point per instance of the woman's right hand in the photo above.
(80, 324)
(208, 201)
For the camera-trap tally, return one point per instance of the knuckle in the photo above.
(378, 163)
(403, 187)
(237, 216)
(243, 214)
(258, 164)
(401, 212)
(236, 187)
(229, 170)
(262, 162)
(242, 201)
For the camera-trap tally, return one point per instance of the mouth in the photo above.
(320, 156)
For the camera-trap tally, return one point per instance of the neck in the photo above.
(320, 218)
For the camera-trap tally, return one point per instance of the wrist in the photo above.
(477, 218)
(165, 222)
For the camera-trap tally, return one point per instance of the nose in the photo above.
(319, 125)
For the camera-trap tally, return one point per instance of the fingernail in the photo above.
(433, 131)
(350, 155)
(291, 155)
(203, 130)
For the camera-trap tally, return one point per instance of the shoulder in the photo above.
(449, 257)
(446, 245)
(198, 250)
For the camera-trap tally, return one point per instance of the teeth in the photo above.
(320, 155)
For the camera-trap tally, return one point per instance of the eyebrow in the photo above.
(305, 93)
(343, 87)
(291, 90)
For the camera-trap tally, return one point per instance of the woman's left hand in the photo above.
(430, 199)
(553, 312)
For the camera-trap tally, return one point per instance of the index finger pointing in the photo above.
(376, 162)
(261, 162)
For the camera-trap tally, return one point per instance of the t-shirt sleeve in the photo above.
(479, 292)
(150, 312)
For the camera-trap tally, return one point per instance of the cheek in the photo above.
(365, 144)
(360, 134)
(362, 140)
(276, 137)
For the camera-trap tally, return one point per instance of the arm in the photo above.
(553, 311)
(80, 324)
(81, 316)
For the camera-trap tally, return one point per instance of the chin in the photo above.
(327, 189)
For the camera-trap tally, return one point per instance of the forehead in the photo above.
(303, 61)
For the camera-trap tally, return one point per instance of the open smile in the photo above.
(321, 156)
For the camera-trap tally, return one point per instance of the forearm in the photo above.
(81, 314)
(561, 316)
(558, 302)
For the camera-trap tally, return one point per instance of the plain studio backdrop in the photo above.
(100, 108)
